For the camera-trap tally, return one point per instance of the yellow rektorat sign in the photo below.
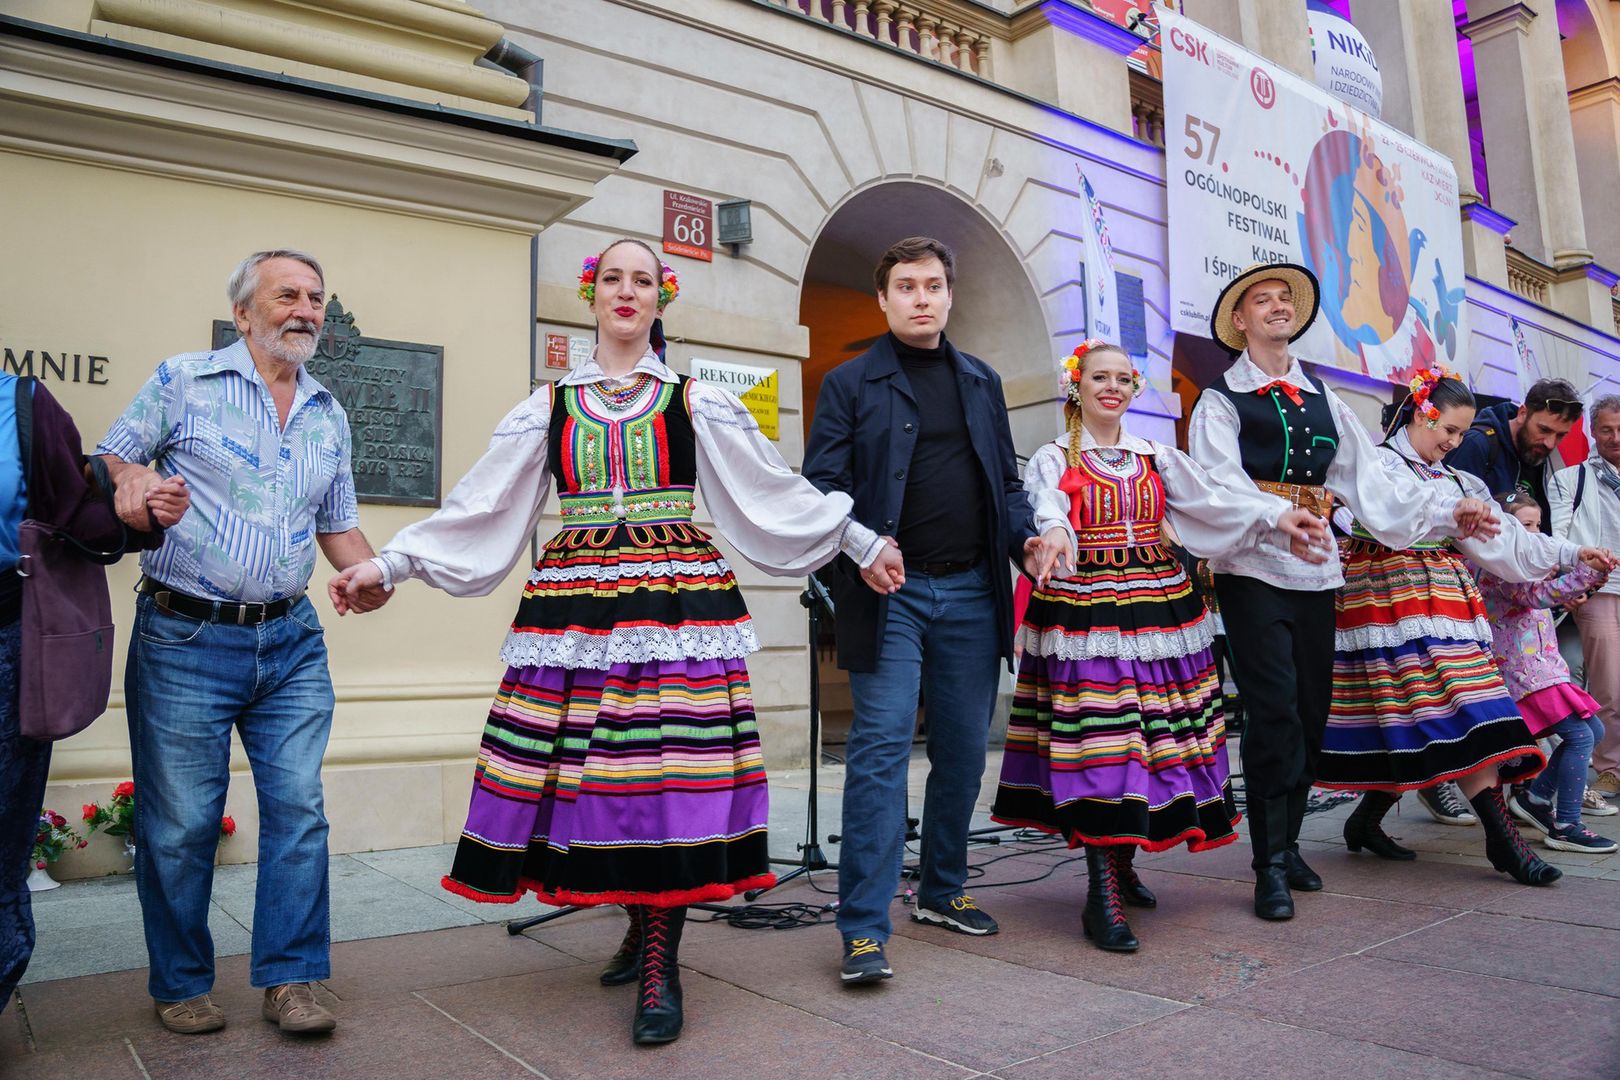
(755, 387)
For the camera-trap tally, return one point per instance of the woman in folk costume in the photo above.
(1417, 699)
(620, 763)
(1117, 737)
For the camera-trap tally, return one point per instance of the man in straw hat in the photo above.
(1263, 423)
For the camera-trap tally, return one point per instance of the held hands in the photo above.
(358, 589)
(1308, 537)
(1599, 559)
(141, 489)
(887, 572)
(1046, 553)
(1475, 518)
(169, 501)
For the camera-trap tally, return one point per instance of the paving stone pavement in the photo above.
(1437, 968)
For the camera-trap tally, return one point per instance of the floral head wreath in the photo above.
(1422, 384)
(669, 286)
(1072, 365)
(1076, 360)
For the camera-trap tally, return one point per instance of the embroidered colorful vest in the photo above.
(637, 467)
(1282, 442)
(1111, 511)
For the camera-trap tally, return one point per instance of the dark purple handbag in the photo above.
(66, 664)
(67, 634)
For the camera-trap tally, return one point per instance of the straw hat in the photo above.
(1300, 281)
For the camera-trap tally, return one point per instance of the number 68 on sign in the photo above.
(688, 226)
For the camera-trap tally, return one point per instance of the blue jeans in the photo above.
(188, 683)
(1565, 774)
(940, 639)
(23, 765)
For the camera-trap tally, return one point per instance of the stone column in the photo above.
(1594, 116)
(1071, 58)
(1276, 29)
(1524, 117)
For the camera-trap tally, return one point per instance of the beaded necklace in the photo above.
(618, 398)
(1112, 457)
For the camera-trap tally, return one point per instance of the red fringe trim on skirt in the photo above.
(568, 898)
(1195, 839)
(1455, 774)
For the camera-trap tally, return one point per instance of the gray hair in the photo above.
(244, 280)
(1606, 403)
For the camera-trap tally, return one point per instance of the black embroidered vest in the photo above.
(1282, 442)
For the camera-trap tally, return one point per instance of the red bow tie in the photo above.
(1286, 387)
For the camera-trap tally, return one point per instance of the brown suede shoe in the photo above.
(292, 1007)
(193, 1017)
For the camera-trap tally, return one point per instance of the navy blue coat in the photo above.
(861, 442)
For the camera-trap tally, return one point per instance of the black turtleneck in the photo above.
(943, 516)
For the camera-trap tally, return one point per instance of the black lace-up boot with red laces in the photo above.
(658, 1009)
(1104, 917)
(625, 965)
(1504, 847)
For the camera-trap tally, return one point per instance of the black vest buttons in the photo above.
(899, 474)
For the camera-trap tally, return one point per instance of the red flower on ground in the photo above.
(56, 819)
(124, 790)
(90, 809)
(227, 825)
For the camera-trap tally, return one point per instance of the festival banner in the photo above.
(1263, 166)
(1102, 297)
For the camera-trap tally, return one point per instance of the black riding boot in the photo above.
(1268, 832)
(625, 965)
(658, 1010)
(1104, 918)
(1300, 875)
(1505, 847)
(1363, 828)
(1131, 889)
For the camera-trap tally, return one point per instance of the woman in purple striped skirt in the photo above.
(620, 763)
(1117, 740)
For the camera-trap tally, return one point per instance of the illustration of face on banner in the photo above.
(1262, 166)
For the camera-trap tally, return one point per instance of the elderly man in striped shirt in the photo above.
(226, 638)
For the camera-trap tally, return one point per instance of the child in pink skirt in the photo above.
(1525, 643)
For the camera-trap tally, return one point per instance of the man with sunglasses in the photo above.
(1512, 447)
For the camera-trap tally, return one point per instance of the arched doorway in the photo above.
(995, 314)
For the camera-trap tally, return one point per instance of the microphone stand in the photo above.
(815, 599)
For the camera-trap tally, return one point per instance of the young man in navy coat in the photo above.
(916, 433)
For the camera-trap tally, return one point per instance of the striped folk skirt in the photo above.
(1117, 734)
(620, 762)
(1417, 698)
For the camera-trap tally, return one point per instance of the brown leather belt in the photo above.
(1318, 500)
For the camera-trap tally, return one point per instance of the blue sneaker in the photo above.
(864, 961)
(959, 913)
(1532, 811)
(1577, 837)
